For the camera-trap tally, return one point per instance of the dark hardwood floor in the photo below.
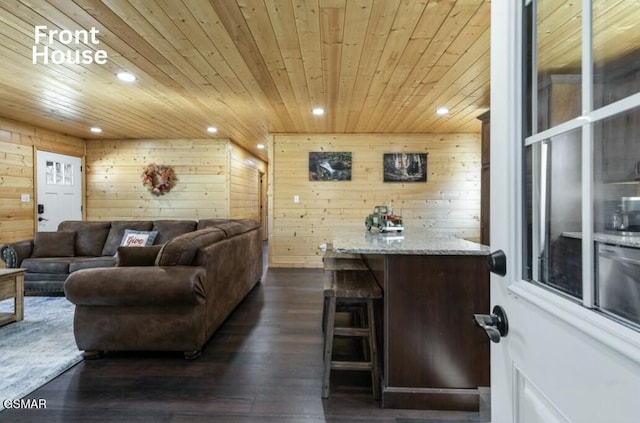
(263, 365)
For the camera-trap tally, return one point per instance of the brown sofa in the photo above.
(171, 300)
(51, 256)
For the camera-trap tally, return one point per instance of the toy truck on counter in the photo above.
(384, 219)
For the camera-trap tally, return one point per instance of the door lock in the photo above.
(497, 263)
(495, 325)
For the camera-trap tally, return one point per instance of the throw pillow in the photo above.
(54, 244)
(117, 231)
(137, 256)
(133, 238)
(90, 236)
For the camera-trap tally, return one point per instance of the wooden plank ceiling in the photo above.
(250, 67)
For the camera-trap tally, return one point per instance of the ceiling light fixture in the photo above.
(96, 130)
(126, 76)
(212, 129)
(261, 146)
(318, 111)
(442, 111)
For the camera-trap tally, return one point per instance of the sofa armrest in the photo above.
(137, 286)
(14, 252)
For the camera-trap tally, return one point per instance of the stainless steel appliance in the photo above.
(618, 281)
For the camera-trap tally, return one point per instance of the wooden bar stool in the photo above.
(354, 287)
(357, 311)
(333, 261)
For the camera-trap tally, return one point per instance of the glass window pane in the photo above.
(68, 174)
(558, 55)
(617, 152)
(528, 216)
(617, 215)
(554, 196)
(50, 173)
(616, 37)
(58, 171)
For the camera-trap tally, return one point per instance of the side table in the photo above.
(12, 286)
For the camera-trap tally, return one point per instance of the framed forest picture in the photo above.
(330, 166)
(405, 167)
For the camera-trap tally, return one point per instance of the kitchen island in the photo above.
(433, 357)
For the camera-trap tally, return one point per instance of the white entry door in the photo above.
(59, 189)
(558, 119)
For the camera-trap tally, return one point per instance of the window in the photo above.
(58, 173)
(581, 202)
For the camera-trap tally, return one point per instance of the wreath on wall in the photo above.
(159, 179)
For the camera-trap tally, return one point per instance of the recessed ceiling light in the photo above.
(212, 129)
(442, 111)
(96, 130)
(126, 76)
(318, 111)
(261, 146)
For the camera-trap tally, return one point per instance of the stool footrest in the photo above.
(351, 331)
(351, 365)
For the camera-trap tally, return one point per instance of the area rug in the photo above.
(38, 348)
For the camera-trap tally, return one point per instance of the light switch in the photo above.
(296, 199)
(25, 198)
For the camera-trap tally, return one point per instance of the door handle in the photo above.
(495, 325)
(40, 219)
(497, 262)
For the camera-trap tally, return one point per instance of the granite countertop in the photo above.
(409, 242)
(625, 241)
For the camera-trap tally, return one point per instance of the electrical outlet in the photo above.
(25, 198)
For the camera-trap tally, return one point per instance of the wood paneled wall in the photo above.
(215, 178)
(447, 204)
(18, 142)
(244, 187)
(114, 183)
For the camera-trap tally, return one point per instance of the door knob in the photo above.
(497, 263)
(495, 325)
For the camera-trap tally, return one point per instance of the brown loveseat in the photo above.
(51, 256)
(171, 300)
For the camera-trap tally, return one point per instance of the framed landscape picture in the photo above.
(405, 167)
(330, 166)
